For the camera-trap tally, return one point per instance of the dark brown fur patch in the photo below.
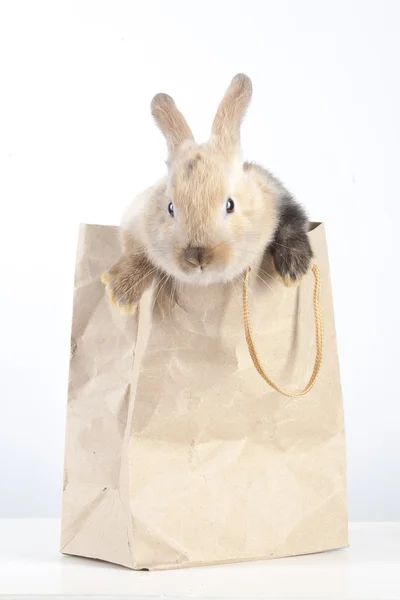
(192, 163)
(190, 166)
(291, 248)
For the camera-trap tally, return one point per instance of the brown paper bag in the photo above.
(177, 452)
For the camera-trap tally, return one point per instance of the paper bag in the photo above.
(177, 452)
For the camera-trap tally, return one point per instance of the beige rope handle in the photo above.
(319, 335)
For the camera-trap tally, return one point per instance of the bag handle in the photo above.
(319, 335)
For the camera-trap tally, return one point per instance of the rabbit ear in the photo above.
(226, 126)
(170, 121)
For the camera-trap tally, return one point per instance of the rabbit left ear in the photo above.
(226, 125)
(171, 122)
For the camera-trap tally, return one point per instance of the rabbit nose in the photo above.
(197, 256)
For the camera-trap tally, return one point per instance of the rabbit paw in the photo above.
(290, 248)
(119, 294)
(292, 259)
(126, 281)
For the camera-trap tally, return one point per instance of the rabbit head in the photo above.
(213, 216)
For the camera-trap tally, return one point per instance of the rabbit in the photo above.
(212, 216)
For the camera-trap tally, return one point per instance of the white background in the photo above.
(77, 142)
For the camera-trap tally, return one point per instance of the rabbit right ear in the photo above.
(171, 122)
(226, 126)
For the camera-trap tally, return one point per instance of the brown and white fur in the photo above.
(184, 227)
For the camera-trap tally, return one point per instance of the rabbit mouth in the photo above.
(206, 275)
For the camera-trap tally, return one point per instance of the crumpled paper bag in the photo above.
(177, 452)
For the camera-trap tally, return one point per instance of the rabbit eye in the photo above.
(230, 205)
(171, 209)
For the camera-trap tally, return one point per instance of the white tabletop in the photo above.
(30, 564)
